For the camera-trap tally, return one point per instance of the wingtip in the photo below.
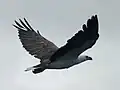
(84, 27)
(95, 16)
(14, 26)
(20, 20)
(25, 19)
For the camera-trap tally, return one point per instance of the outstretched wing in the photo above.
(81, 41)
(34, 42)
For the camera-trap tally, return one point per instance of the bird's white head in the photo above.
(84, 58)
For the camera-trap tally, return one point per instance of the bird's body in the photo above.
(62, 63)
(50, 55)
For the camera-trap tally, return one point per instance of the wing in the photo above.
(81, 41)
(34, 42)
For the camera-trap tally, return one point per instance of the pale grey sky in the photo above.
(59, 20)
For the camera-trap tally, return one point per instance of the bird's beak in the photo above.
(90, 58)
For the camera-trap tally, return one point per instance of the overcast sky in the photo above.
(59, 20)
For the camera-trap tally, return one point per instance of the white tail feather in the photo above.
(30, 68)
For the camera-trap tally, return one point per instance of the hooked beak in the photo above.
(89, 58)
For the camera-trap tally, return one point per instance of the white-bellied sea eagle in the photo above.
(52, 57)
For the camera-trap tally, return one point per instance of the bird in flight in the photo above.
(52, 57)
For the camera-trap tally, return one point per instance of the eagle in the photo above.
(53, 57)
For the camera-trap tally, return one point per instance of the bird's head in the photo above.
(88, 58)
(84, 58)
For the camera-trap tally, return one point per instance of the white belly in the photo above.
(62, 64)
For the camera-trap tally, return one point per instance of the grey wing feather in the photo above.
(33, 42)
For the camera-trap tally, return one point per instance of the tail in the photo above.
(36, 69)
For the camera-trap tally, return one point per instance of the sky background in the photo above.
(59, 20)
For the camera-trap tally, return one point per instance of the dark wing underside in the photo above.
(81, 41)
(33, 42)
